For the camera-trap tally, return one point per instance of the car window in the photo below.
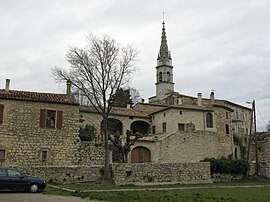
(13, 173)
(2, 172)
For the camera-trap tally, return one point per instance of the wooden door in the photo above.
(140, 155)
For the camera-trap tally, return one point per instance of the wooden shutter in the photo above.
(59, 119)
(1, 113)
(42, 118)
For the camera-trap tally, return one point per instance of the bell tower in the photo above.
(164, 69)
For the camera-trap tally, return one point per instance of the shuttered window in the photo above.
(59, 119)
(51, 119)
(1, 113)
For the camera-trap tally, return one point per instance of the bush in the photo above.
(87, 133)
(235, 166)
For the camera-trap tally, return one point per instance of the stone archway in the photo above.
(140, 126)
(140, 155)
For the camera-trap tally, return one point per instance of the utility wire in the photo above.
(261, 115)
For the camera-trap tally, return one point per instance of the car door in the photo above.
(4, 180)
(16, 180)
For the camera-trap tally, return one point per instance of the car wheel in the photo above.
(34, 188)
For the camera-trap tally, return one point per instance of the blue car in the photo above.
(13, 180)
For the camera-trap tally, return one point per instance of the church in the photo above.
(179, 128)
(42, 129)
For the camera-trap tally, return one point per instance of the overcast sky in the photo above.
(221, 45)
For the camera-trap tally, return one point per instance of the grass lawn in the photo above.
(210, 192)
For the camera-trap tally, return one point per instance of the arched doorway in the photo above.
(140, 126)
(140, 155)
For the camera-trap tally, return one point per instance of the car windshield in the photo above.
(13, 173)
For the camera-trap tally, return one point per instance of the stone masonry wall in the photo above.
(184, 147)
(156, 173)
(88, 154)
(66, 174)
(24, 140)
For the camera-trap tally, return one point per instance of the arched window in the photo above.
(168, 76)
(209, 120)
(160, 76)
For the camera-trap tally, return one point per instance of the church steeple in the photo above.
(164, 70)
(164, 53)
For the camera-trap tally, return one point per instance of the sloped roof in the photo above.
(117, 111)
(37, 97)
(185, 106)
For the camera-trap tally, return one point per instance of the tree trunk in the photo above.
(107, 173)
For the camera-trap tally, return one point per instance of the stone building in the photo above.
(186, 128)
(41, 129)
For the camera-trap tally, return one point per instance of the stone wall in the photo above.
(88, 154)
(185, 147)
(263, 157)
(24, 140)
(172, 117)
(62, 175)
(156, 173)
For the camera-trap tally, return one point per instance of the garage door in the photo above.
(140, 155)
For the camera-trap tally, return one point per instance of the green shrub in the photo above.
(235, 166)
(87, 133)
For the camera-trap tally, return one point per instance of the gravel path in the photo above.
(29, 197)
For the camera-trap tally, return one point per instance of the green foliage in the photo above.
(87, 133)
(121, 98)
(235, 166)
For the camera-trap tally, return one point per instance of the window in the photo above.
(153, 129)
(153, 117)
(44, 155)
(181, 126)
(1, 113)
(227, 129)
(164, 114)
(168, 76)
(51, 119)
(181, 112)
(2, 155)
(164, 127)
(209, 120)
(13, 173)
(227, 115)
(235, 153)
(2, 172)
(160, 76)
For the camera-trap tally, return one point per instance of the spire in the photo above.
(164, 53)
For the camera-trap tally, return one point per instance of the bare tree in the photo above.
(124, 149)
(98, 71)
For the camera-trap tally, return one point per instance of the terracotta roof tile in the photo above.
(117, 111)
(37, 97)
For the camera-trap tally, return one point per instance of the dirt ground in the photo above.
(29, 197)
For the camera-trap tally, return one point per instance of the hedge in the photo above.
(235, 166)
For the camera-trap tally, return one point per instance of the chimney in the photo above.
(212, 97)
(68, 88)
(199, 99)
(7, 84)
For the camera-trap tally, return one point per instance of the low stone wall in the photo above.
(88, 153)
(221, 177)
(264, 169)
(161, 173)
(68, 174)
